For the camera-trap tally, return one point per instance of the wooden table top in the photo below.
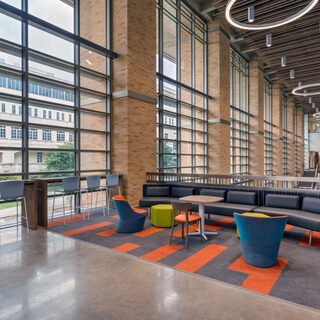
(201, 199)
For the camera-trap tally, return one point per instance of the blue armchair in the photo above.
(130, 221)
(260, 238)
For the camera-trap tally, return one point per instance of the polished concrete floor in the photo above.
(48, 276)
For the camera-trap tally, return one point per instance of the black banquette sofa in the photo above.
(302, 208)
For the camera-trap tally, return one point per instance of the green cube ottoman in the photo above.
(161, 215)
(252, 214)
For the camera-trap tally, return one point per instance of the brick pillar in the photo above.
(219, 106)
(277, 143)
(300, 144)
(134, 93)
(256, 133)
(291, 146)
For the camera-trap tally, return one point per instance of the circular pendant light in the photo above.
(317, 116)
(265, 26)
(302, 91)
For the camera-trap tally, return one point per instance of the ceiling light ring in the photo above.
(306, 86)
(265, 26)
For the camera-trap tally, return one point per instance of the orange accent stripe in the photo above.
(315, 240)
(161, 252)
(202, 257)
(260, 279)
(116, 216)
(147, 232)
(106, 233)
(288, 227)
(69, 219)
(87, 228)
(126, 247)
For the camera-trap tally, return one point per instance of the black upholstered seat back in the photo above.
(283, 201)
(213, 193)
(311, 205)
(163, 191)
(241, 197)
(178, 192)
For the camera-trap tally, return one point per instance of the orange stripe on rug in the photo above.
(106, 233)
(116, 216)
(69, 219)
(162, 252)
(260, 279)
(315, 240)
(87, 228)
(147, 232)
(126, 247)
(202, 257)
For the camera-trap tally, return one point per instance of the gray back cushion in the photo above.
(178, 192)
(241, 197)
(158, 192)
(311, 205)
(283, 201)
(213, 193)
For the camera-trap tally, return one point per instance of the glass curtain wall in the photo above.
(285, 136)
(239, 114)
(181, 88)
(267, 128)
(54, 88)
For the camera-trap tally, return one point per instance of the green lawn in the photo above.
(8, 205)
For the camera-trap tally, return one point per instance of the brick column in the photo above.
(291, 146)
(256, 133)
(219, 106)
(134, 93)
(277, 143)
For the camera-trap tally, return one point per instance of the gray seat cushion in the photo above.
(178, 192)
(151, 201)
(247, 198)
(227, 209)
(311, 205)
(283, 201)
(213, 193)
(299, 218)
(157, 191)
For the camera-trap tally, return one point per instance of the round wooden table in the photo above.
(201, 201)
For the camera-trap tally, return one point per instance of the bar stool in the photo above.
(13, 191)
(112, 182)
(71, 186)
(185, 218)
(94, 185)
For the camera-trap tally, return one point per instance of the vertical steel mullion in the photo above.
(25, 94)
(178, 71)
(108, 86)
(193, 84)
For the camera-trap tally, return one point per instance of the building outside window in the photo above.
(71, 137)
(61, 136)
(267, 128)
(58, 115)
(181, 87)
(46, 135)
(50, 80)
(62, 116)
(239, 114)
(3, 107)
(20, 110)
(39, 157)
(70, 118)
(2, 131)
(16, 133)
(13, 109)
(33, 134)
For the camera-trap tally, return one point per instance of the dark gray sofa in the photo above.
(307, 216)
(164, 194)
(237, 201)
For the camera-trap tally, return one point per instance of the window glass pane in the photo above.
(92, 102)
(47, 43)
(10, 160)
(92, 82)
(93, 141)
(10, 59)
(57, 12)
(10, 29)
(93, 21)
(169, 48)
(94, 160)
(51, 161)
(92, 60)
(14, 3)
(10, 83)
(91, 121)
(10, 110)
